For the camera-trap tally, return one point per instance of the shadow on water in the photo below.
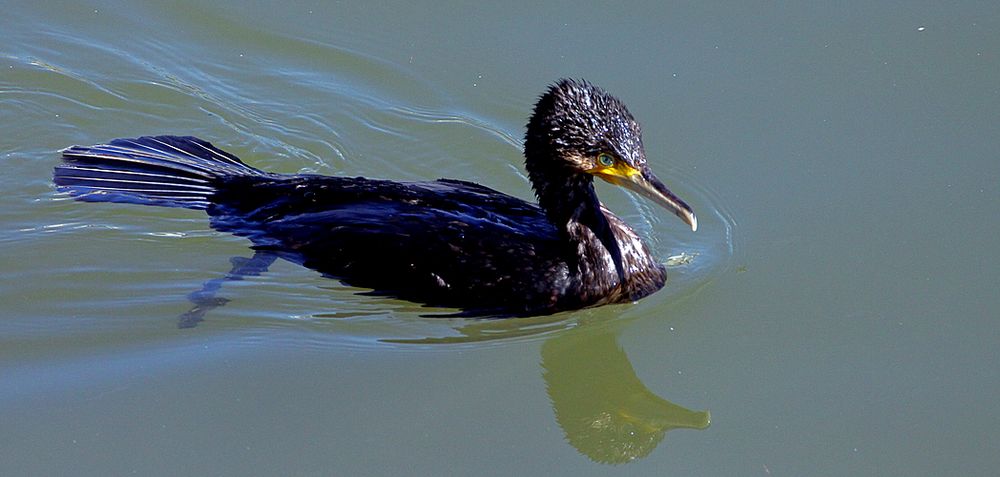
(205, 299)
(605, 411)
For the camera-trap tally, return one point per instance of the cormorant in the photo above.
(445, 243)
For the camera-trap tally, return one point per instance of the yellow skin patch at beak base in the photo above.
(617, 170)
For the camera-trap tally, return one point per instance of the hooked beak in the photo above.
(645, 182)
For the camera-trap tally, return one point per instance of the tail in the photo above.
(169, 171)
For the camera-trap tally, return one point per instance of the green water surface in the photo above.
(835, 314)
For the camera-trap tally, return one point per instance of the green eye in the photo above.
(606, 160)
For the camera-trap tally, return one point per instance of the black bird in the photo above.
(443, 243)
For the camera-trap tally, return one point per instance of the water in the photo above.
(838, 316)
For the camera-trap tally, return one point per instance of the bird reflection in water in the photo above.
(607, 413)
(604, 409)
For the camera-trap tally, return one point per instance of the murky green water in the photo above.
(839, 316)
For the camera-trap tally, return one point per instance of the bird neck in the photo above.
(570, 198)
(571, 202)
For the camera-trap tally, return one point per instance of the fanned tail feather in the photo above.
(169, 171)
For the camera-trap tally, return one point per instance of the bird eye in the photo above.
(605, 159)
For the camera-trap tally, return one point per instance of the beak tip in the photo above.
(689, 218)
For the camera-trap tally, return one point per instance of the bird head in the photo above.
(580, 131)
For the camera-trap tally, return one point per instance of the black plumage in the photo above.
(446, 242)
